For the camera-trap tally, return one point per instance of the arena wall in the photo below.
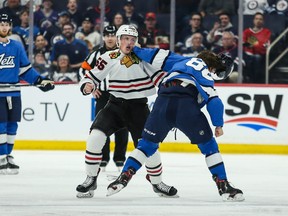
(255, 120)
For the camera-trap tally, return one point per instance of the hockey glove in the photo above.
(44, 84)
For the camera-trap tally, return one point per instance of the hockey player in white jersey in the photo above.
(131, 81)
(184, 91)
(14, 66)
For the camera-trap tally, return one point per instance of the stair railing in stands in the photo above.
(269, 66)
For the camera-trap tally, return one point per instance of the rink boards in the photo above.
(255, 120)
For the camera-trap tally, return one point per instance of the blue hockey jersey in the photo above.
(191, 71)
(14, 66)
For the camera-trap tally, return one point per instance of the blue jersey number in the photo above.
(199, 65)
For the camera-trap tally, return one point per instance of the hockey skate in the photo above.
(227, 192)
(13, 169)
(163, 190)
(120, 182)
(86, 189)
(3, 166)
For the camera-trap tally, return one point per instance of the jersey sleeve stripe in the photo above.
(24, 69)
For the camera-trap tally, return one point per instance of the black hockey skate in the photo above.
(13, 169)
(163, 190)
(3, 166)
(227, 192)
(86, 189)
(120, 182)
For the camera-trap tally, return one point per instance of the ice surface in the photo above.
(47, 181)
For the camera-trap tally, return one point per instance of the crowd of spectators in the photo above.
(64, 36)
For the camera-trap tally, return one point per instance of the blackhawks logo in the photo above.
(114, 55)
(129, 60)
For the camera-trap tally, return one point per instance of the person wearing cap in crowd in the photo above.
(151, 36)
(102, 97)
(130, 16)
(54, 32)
(75, 49)
(87, 32)
(45, 16)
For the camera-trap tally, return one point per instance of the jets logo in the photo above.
(6, 61)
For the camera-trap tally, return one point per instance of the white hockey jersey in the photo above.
(129, 77)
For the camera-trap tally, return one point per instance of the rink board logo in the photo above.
(256, 112)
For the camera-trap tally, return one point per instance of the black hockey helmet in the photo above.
(224, 68)
(5, 18)
(110, 30)
(222, 64)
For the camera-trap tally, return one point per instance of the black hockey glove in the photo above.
(44, 84)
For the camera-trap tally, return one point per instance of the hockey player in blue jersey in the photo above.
(14, 66)
(188, 86)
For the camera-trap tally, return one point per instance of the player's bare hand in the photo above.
(218, 131)
(89, 87)
(97, 93)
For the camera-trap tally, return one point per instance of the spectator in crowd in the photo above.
(75, 49)
(131, 17)
(97, 26)
(212, 7)
(255, 42)
(40, 45)
(54, 32)
(195, 26)
(152, 36)
(87, 32)
(23, 29)
(46, 16)
(215, 34)
(194, 46)
(64, 72)
(13, 9)
(75, 15)
(89, 45)
(41, 65)
(118, 20)
(229, 47)
(95, 12)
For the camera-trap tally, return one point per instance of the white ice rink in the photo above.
(47, 181)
